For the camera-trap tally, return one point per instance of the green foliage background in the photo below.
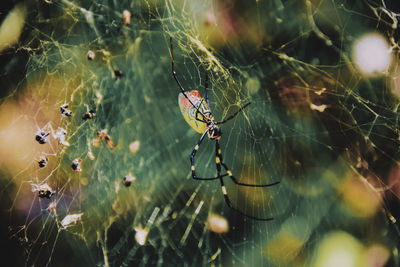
(279, 56)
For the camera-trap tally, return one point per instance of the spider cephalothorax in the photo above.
(214, 132)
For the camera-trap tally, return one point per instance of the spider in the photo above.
(199, 116)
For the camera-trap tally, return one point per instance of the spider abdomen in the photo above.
(189, 111)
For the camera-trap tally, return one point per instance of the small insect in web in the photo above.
(43, 161)
(118, 74)
(76, 165)
(45, 194)
(65, 111)
(41, 137)
(127, 180)
(90, 55)
(89, 115)
(44, 190)
(197, 113)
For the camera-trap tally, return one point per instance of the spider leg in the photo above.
(223, 188)
(198, 111)
(233, 115)
(206, 88)
(177, 80)
(192, 161)
(197, 119)
(233, 177)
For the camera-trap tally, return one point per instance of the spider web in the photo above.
(317, 123)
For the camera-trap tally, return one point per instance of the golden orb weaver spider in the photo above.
(199, 116)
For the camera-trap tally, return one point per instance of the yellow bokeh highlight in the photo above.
(12, 26)
(359, 197)
(338, 249)
(342, 249)
(284, 249)
(21, 117)
(84, 181)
